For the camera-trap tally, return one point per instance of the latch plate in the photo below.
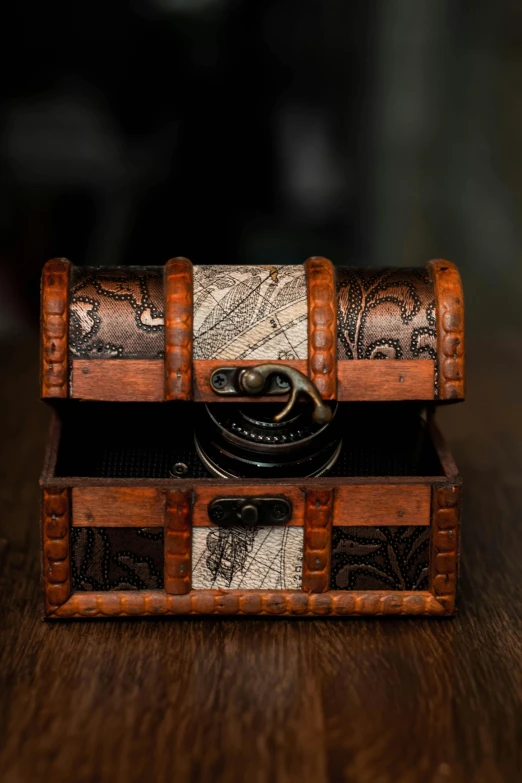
(250, 510)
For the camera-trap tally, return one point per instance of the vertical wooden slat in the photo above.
(322, 326)
(54, 345)
(179, 319)
(317, 552)
(449, 301)
(56, 571)
(178, 542)
(445, 545)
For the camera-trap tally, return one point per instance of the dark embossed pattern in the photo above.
(117, 558)
(117, 313)
(385, 314)
(380, 558)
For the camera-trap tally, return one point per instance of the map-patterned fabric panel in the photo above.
(380, 558)
(250, 312)
(258, 558)
(385, 314)
(117, 558)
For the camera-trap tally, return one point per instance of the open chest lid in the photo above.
(183, 332)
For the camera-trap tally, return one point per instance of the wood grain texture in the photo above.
(56, 569)
(369, 380)
(54, 321)
(118, 380)
(117, 506)
(384, 504)
(393, 699)
(450, 329)
(179, 318)
(205, 495)
(317, 554)
(249, 602)
(322, 326)
(445, 545)
(178, 542)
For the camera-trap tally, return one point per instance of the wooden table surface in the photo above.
(366, 701)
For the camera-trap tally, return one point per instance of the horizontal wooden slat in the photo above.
(386, 504)
(129, 380)
(118, 380)
(375, 380)
(205, 495)
(292, 603)
(117, 507)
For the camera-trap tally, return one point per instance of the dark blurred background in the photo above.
(376, 132)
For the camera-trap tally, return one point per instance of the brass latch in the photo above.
(270, 379)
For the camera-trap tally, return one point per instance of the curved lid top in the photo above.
(158, 333)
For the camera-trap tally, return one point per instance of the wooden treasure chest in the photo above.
(249, 440)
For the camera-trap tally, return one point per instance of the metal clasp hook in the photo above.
(253, 382)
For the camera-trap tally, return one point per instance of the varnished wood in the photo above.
(250, 602)
(374, 380)
(449, 300)
(383, 504)
(317, 554)
(356, 505)
(117, 507)
(178, 542)
(377, 699)
(56, 570)
(359, 380)
(205, 495)
(445, 545)
(118, 380)
(179, 318)
(322, 326)
(54, 360)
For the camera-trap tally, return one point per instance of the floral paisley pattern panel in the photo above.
(117, 558)
(116, 313)
(385, 314)
(380, 558)
(248, 558)
(250, 312)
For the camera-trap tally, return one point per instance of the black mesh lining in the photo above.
(146, 440)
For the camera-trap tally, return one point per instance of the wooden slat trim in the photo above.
(382, 505)
(281, 603)
(179, 317)
(445, 545)
(117, 507)
(360, 380)
(178, 542)
(54, 337)
(205, 495)
(56, 571)
(118, 380)
(317, 552)
(449, 299)
(378, 380)
(322, 326)
(444, 454)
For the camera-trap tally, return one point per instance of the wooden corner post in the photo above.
(449, 301)
(54, 345)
